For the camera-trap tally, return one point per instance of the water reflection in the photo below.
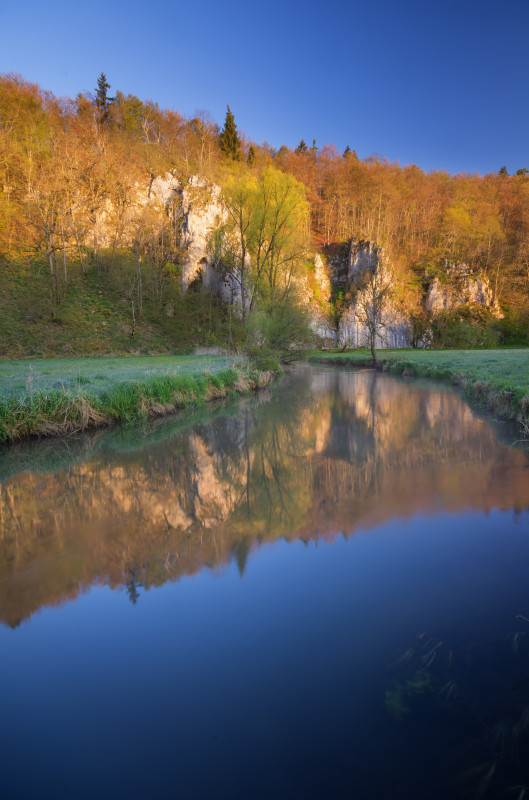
(328, 452)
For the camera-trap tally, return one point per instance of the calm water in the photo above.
(320, 592)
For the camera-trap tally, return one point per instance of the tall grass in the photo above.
(72, 410)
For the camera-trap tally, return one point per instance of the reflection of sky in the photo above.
(211, 681)
(359, 451)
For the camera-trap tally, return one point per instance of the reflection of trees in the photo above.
(328, 451)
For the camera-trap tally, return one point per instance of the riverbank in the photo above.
(65, 396)
(495, 379)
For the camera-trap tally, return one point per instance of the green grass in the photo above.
(68, 395)
(498, 379)
(90, 320)
(27, 377)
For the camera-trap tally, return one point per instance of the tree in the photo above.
(302, 147)
(347, 152)
(251, 156)
(263, 242)
(372, 303)
(103, 102)
(503, 171)
(229, 140)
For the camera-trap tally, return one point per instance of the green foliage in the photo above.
(283, 333)
(102, 100)
(302, 147)
(267, 222)
(35, 410)
(463, 330)
(513, 329)
(229, 140)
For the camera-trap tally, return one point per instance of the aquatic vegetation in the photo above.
(481, 689)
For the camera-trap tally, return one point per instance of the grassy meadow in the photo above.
(22, 378)
(66, 395)
(497, 379)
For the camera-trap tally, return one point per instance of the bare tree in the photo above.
(372, 304)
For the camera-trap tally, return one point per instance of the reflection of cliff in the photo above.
(331, 451)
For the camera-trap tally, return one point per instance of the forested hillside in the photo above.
(72, 168)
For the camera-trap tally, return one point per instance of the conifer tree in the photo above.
(302, 147)
(251, 156)
(347, 152)
(103, 101)
(230, 144)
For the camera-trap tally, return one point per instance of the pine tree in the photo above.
(251, 156)
(230, 144)
(347, 152)
(503, 171)
(103, 101)
(302, 147)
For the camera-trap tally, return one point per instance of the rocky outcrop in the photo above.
(394, 330)
(367, 262)
(464, 286)
(201, 213)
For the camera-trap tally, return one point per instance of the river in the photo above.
(320, 591)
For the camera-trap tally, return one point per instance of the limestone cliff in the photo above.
(365, 259)
(463, 286)
(196, 210)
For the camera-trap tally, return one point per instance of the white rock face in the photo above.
(363, 256)
(464, 287)
(394, 329)
(322, 277)
(166, 189)
(321, 326)
(202, 213)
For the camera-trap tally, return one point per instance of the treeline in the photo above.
(421, 218)
(65, 162)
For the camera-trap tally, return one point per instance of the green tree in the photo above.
(302, 147)
(251, 156)
(263, 243)
(102, 101)
(503, 171)
(229, 140)
(347, 152)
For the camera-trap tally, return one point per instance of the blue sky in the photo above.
(441, 84)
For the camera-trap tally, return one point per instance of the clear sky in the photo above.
(440, 83)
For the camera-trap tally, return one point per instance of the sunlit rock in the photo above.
(463, 286)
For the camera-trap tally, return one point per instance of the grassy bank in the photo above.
(496, 379)
(56, 396)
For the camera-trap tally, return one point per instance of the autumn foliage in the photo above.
(63, 162)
